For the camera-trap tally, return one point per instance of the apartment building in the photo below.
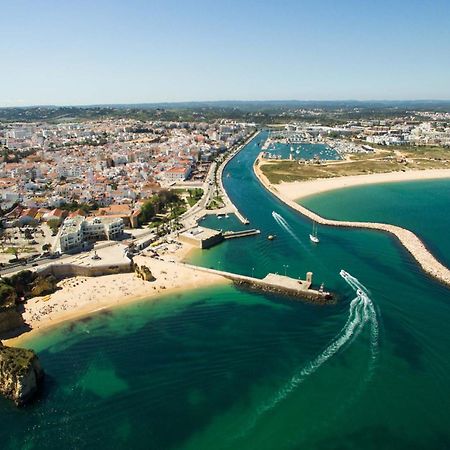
(76, 232)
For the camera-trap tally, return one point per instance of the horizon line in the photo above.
(200, 102)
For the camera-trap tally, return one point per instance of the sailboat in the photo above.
(313, 235)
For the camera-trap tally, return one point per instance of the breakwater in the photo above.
(238, 234)
(275, 284)
(407, 238)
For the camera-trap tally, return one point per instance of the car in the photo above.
(34, 265)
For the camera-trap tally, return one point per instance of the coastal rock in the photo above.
(23, 284)
(10, 317)
(43, 285)
(20, 374)
(144, 273)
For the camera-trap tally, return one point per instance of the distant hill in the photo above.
(254, 111)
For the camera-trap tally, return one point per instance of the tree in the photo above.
(46, 247)
(13, 251)
(53, 224)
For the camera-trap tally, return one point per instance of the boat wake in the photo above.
(283, 224)
(361, 314)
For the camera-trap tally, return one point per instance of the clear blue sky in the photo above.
(133, 51)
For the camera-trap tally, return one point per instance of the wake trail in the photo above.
(361, 313)
(283, 224)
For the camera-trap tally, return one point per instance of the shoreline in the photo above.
(296, 190)
(79, 297)
(411, 242)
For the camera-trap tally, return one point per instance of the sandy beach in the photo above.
(300, 189)
(80, 296)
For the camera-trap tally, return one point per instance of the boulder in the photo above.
(144, 273)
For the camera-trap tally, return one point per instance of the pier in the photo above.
(238, 234)
(204, 238)
(275, 284)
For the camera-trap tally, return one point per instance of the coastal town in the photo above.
(68, 186)
(63, 186)
(102, 213)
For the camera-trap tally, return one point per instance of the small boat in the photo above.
(271, 237)
(313, 235)
(226, 216)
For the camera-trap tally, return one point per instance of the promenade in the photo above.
(407, 238)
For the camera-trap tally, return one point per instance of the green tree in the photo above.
(53, 224)
(13, 251)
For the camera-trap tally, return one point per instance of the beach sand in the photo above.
(80, 296)
(297, 190)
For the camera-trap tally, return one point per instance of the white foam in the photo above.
(282, 222)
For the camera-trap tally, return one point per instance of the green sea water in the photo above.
(223, 368)
(421, 206)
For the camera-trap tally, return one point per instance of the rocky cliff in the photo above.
(24, 284)
(10, 317)
(20, 374)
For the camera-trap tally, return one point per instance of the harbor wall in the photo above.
(279, 288)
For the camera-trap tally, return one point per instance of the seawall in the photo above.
(407, 238)
(61, 271)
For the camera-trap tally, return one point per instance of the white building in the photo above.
(177, 173)
(77, 231)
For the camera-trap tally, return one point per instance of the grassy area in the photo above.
(192, 196)
(216, 203)
(383, 160)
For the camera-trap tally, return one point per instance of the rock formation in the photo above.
(20, 374)
(43, 285)
(144, 273)
(24, 284)
(10, 317)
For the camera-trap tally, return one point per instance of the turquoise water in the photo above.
(221, 222)
(420, 206)
(223, 368)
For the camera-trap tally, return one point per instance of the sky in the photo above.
(83, 52)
